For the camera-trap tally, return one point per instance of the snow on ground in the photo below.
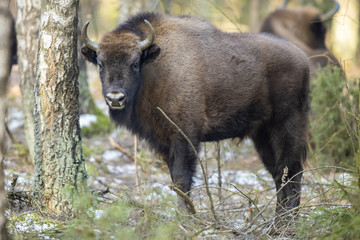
(87, 119)
(15, 118)
(31, 222)
(112, 155)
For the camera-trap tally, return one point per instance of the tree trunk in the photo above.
(27, 31)
(5, 20)
(59, 163)
(86, 101)
(128, 8)
(344, 31)
(254, 16)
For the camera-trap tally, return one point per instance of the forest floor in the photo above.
(243, 198)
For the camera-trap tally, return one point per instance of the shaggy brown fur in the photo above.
(213, 85)
(302, 26)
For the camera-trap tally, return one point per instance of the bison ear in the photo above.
(151, 52)
(89, 55)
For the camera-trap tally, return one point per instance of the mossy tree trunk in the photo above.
(5, 21)
(27, 31)
(59, 163)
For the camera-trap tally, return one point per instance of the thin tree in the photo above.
(5, 20)
(59, 163)
(27, 31)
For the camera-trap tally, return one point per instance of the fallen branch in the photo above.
(118, 147)
(185, 197)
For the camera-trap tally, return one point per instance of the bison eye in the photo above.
(135, 66)
(100, 66)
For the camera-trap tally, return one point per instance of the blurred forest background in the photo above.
(133, 201)
(236, 16)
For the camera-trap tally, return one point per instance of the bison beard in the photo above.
(213, 85)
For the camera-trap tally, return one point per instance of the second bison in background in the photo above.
(213, 85)
(305, 27)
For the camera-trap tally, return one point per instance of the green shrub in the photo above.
(101, 126)
(333, 126)
(340, 221)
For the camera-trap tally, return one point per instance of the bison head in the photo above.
(119, 56)
(303, 26)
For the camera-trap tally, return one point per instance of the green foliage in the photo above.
(336, 222)
(123, 219)
(109, 222)
(332, 125)
(101, 126)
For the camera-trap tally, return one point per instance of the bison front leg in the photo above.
(181, 161)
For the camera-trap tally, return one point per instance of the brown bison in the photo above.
(306, 29)
(213, 85)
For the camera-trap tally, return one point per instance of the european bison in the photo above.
(214, 85)
(306, 29)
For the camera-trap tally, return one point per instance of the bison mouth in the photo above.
(117, 107)
(115, 100)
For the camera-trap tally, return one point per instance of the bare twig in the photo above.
(118, 147)
(225, 15)
(218, 160)
(136, 164)
(199, 160)
(252, 201)
(185, 197)
(11, 136)
(290, 180)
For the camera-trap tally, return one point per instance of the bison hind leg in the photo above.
(282, 149)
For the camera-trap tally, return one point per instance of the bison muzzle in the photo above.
(214, 85)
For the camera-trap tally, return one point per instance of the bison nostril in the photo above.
(115, 96)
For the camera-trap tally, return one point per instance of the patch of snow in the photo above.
(165, 190)
(228, 156)
(14, 124)
(112, 155)
(238, 177)
(98, 143)
(15, 118)
(31, 222)
(87, 119)
(23, 179)
(101, 104)
(153, 197)
(92, 159)
(168, 192)
(99, 214)
(128, 169)
(15, 113)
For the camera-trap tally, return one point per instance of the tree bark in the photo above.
(59, 163)
(27, 31)
(5, 20)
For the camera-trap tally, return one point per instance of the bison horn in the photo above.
(283, 5)
(330, 13)
(150, 39)
(86, 40)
